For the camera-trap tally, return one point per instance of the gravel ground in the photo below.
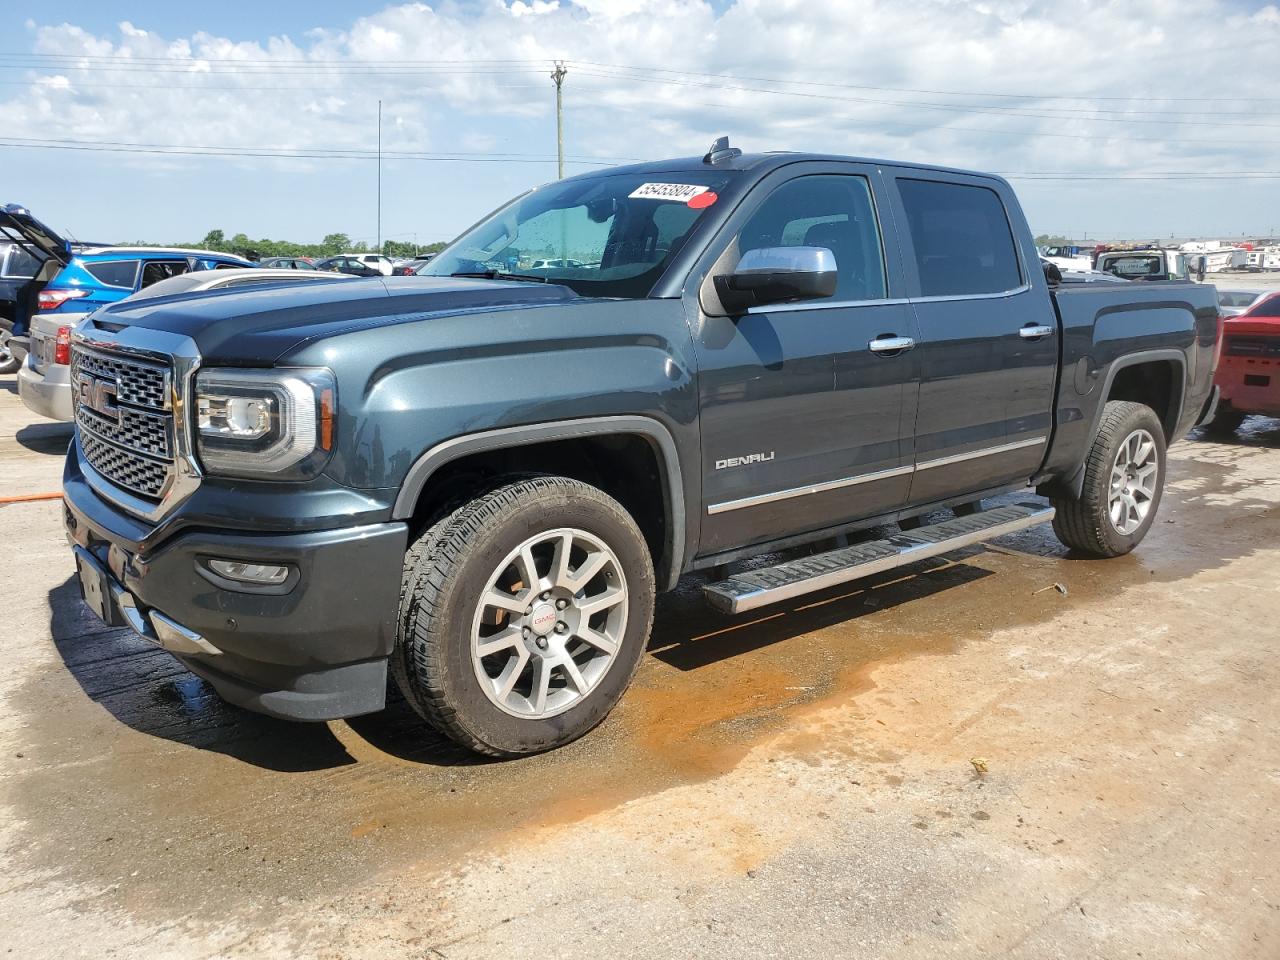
(1005, 752)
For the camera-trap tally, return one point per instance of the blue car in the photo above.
(88, 278)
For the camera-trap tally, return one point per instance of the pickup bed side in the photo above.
(1149, 342)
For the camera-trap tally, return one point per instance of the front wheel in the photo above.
(1123, 484)
(524, 615)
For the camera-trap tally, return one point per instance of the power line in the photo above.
(270, 153)
(100, 61)
(916, 104)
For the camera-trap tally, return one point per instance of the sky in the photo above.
(161, 121)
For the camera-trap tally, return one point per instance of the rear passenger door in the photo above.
(988, 337)
(804, 424)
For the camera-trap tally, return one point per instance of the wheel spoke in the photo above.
(504, 601)
(1145, 449)
(560, 561)
(506, 682)
(541, 684)
(596, 639)
(505, 640)
(586, 570)
(601, 601)
(574, 675)
(528, 568)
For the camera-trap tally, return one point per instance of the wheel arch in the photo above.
(525, 443)
(1172, 361)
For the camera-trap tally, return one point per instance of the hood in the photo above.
(253, 327)
(17, 224)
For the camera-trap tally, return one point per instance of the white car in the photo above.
(376, 260)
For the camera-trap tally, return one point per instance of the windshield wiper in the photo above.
(499, 275)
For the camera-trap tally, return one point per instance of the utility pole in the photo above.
(558, 76)
(379, 176)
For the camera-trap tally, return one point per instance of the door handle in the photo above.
(1034, 331)
(890, 344)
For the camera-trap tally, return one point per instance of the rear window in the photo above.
(114, 273)
(963, 244)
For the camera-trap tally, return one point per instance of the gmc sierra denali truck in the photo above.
(477, 478)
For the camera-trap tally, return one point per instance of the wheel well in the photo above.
(625, 466)
(1154, 383)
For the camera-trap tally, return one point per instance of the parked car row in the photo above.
(48, 285)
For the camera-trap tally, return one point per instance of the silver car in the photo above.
(1232, 303)
(44, 382)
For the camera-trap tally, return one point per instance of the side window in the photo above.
(1270, 308)
(114, 273)
(963, 244)
(157, 270)
(825, 211)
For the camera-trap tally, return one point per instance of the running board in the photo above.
(764, 585)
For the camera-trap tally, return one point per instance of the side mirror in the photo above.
(1052, 274)
(1200, 269)
(778, 275)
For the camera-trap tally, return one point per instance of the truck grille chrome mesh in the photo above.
(138, 383)
(123, 423)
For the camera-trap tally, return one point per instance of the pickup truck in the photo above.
(476, 479)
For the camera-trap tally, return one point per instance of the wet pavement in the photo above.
(1005, 751)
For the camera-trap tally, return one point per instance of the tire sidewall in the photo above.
(1140, 418)
(452, 626)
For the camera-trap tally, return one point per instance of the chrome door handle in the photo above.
(1034, 331)
(890, 344)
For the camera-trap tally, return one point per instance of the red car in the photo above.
(1248, 375)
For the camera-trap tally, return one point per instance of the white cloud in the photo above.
(851, 67)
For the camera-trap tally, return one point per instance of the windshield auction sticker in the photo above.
(675, 192)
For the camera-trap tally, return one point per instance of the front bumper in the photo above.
(48, 391)
(315, 648)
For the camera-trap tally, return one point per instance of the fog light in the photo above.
(263, 574)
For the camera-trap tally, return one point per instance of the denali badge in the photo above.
(750, 458)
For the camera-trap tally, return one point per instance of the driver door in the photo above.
(804, 425)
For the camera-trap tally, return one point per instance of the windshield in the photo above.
(606, 236)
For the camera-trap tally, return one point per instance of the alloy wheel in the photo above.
(549, 623)
(1134, 481)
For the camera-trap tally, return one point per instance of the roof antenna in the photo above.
(720, 150)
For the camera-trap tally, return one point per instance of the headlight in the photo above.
(264, 423)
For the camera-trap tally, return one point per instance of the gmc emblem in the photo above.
(99, 396)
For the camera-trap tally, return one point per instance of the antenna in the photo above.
(720, 150)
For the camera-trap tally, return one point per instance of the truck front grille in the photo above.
(123, 419)
(1266, 347)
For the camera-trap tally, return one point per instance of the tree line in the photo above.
(332, 244)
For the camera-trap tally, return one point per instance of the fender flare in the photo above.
(1075, 483)
(654, 431)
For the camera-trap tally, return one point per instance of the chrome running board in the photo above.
(764, 585)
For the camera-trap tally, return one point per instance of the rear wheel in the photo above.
(1123, 484)
(524, 615)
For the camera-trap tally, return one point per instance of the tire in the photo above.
(475, 553)
(1225, 421)
(1089, 524)
(8, 362)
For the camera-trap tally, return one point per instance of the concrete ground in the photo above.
(1007, 752)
